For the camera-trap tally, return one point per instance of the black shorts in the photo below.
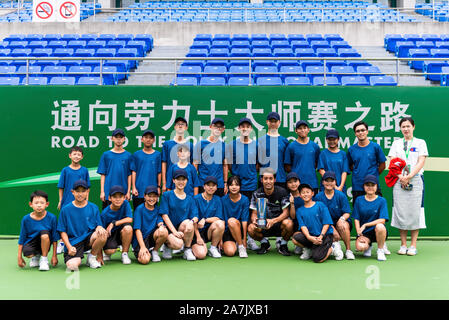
(318, 252)
(81, 247)
(219, 192)
(274, 231)
(115, 239)
(137, 202)
(149, 243)
(33, 247)
(371, 235)
(295, 224)
(227, 236)
(105, 203)
(203, 234)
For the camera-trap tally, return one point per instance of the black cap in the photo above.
(370, 179)
(304, 185)
(243, 120)
(292, 175)
(273, 115)
(118, 131)
(181, 119)
(217, 120)
(80, 183)
(180, 173)
(210, 179)
(151, 189)
(329, 174)
(300, 123)
(332, 133)
(149, 131)
(116, 189)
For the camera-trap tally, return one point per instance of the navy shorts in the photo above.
(33, 247)
(81, 247)
(149, 243)
(115, 239)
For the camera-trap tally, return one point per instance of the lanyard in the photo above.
(407, 150)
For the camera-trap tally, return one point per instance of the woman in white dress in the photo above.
(408, 192)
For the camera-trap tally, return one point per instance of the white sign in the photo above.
(56, 10)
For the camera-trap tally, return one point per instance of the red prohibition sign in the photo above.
(68, 10)
(44, 10)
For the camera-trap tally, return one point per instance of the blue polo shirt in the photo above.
(177, 209)
(193, 181)
(31, 228)
(238, 210)
(314, 218)
(336, 162)
(243, 160)
(209, 157)
(67, 179)
(170, 154)
(368, 211)
(108, 215)
(116, 167)
(303, 159)
(146, 221)
(337, 206)
(79, 223)
(271, 151)
(365, 160)
(209, 209)
(147, 167)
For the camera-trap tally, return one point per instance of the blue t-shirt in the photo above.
(238, 210)
(79, 223)
(116, 167)
(209, 209)
(366, 160)
(193, 181)
(303, 159)
(314, 218)
(147, 167)
(243, 160)
(170, 154)
(209, 157)
(368, 211)
(177, 209)
(30, 228)
(336, 162)
(337, 206)
(273, 159)
(298, 202)
(67, 179)
(108, 215)
(146, 221)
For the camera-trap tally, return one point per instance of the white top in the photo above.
(417, 148)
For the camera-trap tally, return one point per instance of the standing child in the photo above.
(183, 163)
(37, 233)
(117, 219)
(150, 231)
(146, 168)
(115, 168)
(296, 202)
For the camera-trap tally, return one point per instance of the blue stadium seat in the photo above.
(403, 47)
(315, 44)
(124, 37)
(79, 71)
(76, 44)
(96, 44)
(9, 81)
(314, 37)
(108, 74)
(221, 37)
(139, 45)
(33, 71)
(354, 81)
(239, 80)
(70, 81)
(357, 63)
(368, 71)
(20, 53)
(128, 52)
(89, 81)
(219, 52)
(5, 52)
(17, 44)
(295, 37)
(54, 44)
(418, 53)
(328, 81)
(277, 37)
(339, 44)
(116, 44)
(315, 71)
(69, 63)
(203, 37)
(326, 52)
(382, 81)
(444, 77)
(53, 71)
(215, 69)
(290, 71)
(36, 44)
(33, 81)
(41, 52)
(295, 44)
(213, 80)
(240, 52)
(197, 53)
(434, 67)
(348, 52)
(342, 71)
(262, 52)
(106, 37)
(297, 81)
(51, 37)
(84, 52)
(268, 80)
(332, 37)
(88, 37)
(283, 52)
(221, 44)
(69, 37)
(305, 52)
(105, 52)
(7, 71)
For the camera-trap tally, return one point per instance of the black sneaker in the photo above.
(283, 249)
(264, 247)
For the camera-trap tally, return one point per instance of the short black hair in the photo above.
(409, 119)
(76, 148)
(39, 193)
(360, 123)
(233, 179)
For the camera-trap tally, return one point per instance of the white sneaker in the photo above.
(214, 253)
(178, 250)
(155, 256)
(306, 254)
(386, 251)
(367, 253)
(298, 250)
(412, 251)
(336, 245)
(166, 252)
(106, 257)
(278, 242)
(402, 250)
(34, 262)
(60, 247)
(252, 245)
(125, 258)
(338, 254)
(381, 255)
(349, 255)
(188, 255)
(43, 264)
(92, 262)
(242, 252)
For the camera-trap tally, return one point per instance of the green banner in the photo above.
(40, 125)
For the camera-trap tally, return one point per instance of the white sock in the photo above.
(212, 247)
(44, 258)
(264, 240)
(283, 242)
(241, 246)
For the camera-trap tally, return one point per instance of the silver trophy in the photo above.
(261, 213)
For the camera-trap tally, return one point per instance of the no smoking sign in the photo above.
(56, 10)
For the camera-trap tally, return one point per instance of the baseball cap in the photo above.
(273, 115)
(292, 175)
(116, 189)
(370, 179)
(329, 174)
(151, 189)
(80, 183)
(149, 131)
(181, 119)
(180, 173)
(243, 120)
(304, 185)
(118, 131)
(332, 133)
(300, 123)
(210, 179)
(217, 120)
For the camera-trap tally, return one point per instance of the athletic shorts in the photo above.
(115, 239)
(81, 247)
(33, 247)
(149, 243)
(319, 252)
(227, 236)
(203, 234)
(371, 235)
(274, 231)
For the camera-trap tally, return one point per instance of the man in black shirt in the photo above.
(278, 224)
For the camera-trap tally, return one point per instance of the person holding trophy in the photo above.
(269, 213)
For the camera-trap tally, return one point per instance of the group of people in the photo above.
(189, 195)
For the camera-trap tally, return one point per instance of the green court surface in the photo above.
(269, 276)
